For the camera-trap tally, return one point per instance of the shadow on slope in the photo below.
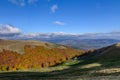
(101, 63)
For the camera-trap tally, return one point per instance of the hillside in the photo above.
(23, 55)
(18, 45)
(110, 52)
(102, 64)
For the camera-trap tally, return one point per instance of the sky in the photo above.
(69, 16)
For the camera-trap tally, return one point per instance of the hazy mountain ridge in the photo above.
(84, 44)
(79, 41)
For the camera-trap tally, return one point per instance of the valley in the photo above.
(102, 64)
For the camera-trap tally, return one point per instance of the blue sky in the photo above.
(69, 16)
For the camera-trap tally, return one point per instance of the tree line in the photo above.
(35, 57)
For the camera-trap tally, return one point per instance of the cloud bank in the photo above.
(8, 31)
(11, 32)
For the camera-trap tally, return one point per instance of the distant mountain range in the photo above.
(85, 44)
(76, 41)
(80, 41)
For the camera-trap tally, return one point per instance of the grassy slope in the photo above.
(18, 45)
(106, 66)
(70, 70)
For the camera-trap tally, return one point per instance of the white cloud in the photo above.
(10, 32)
(54, 8)
(42, 35)
(22, 3)
(9, 29)
(59, 23)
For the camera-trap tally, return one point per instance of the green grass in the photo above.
(104, 66)
(69, 70)
(93, 68)
(70, 62)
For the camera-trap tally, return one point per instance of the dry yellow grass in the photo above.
(90, 65)
(18, 45)
(118, 44)
(109, 70)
